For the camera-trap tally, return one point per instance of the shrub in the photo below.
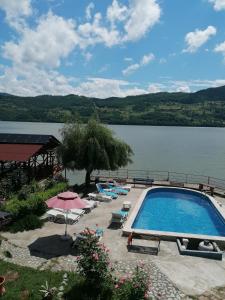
(34, 203)
(93, 264)
(28, 222)
(49, 184)
(134, 287)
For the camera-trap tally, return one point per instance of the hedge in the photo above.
(35, 202)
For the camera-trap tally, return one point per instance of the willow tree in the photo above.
(92, 147)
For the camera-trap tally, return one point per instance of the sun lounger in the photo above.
(120, 213)
(52, 214)
(126, 187)
(90, 203)
(118, 190)
(71, 218)
(119, 217)
(99, 197)
(108, 193)
(76, 211)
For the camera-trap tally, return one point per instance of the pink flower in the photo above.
(95, 256)
(122, 279)
(116, 286)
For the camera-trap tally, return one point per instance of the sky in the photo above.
(105, 48)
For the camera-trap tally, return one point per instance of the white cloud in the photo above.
(183, 89)
(218, 4)
(104, 88)
(162, 60)
(143, 15)
(53, 39)
(27, 80)
(95, 32)
(192, 85)
(146, 59)
(197, 38)
(15, 11)
(220, 48)
(38, 50)
(87, 56)
(15, 8)
(131, 69)
(128, 59)
(88, 11)
(155, 88)
(116, 12)
(128, 23)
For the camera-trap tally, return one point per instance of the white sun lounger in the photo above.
(99, 197)
(56, 215)
(90, 203)
(75, 211)
(71, 218)
(126, 187)
(52, 214)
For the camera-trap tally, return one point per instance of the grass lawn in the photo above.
(24, 283)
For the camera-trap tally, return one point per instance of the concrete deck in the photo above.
(190, 274)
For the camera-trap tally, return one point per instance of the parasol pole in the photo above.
(66, 223)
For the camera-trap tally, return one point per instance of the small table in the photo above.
(126, 205)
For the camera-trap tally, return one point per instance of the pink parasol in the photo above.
(66, 200)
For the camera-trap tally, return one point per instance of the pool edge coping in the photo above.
(168, 234)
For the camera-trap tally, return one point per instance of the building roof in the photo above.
(20, 147)
(17, 152)
(40, 139)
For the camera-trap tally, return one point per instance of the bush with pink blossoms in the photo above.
(133, 287)
(93, 263)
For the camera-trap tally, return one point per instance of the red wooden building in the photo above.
(24, 157)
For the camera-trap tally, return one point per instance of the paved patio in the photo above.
(190, 274)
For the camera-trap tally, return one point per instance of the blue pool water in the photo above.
(177, 210)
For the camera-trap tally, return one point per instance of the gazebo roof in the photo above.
(21, 147)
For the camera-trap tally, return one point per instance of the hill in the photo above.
(202, 108)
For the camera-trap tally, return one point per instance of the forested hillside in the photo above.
(203, 108)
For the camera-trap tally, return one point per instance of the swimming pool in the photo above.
(178, 212)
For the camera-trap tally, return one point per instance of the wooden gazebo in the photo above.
(24, 157)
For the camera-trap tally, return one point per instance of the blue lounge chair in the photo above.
(121, 213)
(108, 193)
(119, 217)
(117, 190)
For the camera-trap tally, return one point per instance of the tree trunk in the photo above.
(88, 177)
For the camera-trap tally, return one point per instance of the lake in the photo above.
(195, 150)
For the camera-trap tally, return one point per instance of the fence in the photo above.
(163, 176)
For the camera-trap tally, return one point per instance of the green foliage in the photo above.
(34, 202)
(30, 280)
(204, 108)
(133, 287)
(92, 147)
(29, 222)
(94, 266)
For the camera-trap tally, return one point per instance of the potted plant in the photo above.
(2, 288)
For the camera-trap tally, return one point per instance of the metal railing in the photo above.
(163, 176)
